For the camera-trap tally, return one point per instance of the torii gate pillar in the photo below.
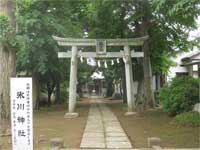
(73, 84)
(129, 81)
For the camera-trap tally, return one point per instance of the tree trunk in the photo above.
(123, 82)
(58, 100)
(7, 67)
(121, 90)
(109, 88)
(79, 90)
(36, 91)
(147, 70)
(142, 30)
(49, 92)
(122, 35)
(140, 100)
(49, 99)
(139, 92)
(50, 88)
(4, 88)
(149, 96)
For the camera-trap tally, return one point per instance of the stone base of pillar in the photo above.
(130, 113)
(71, 115)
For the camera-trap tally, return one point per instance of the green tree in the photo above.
(168, 31)
(38, 21)
(180, 96)
(166, 22)
(7, 58)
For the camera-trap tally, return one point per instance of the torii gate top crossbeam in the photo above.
(92, 42)
(95, 55)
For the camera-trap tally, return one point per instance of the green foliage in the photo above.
(7, 32)
(4, 27)
(38, 21)
(63, 92)
(84, 73)
(191, 118)
(181, 95)
(170, 23)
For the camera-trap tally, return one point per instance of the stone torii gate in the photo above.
(101, 45)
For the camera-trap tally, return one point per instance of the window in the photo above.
(182, 73)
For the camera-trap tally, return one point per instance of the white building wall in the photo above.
(195, 74)
(179, 69)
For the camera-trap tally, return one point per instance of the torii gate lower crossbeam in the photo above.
(74, 54)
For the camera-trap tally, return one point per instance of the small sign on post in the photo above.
(101, 46)
(21, 113)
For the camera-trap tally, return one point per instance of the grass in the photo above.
(156, 123)
(50, 123)
(188, 118)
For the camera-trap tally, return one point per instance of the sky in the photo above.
(196, 33)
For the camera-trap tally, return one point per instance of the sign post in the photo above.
(21, 113)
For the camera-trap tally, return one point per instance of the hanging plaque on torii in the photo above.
(101, 45)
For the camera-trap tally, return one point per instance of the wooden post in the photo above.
(190, 70)
(129, 80)
(73, 85)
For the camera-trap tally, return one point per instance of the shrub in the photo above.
(180, 96)
(191, 118)
(63, 92)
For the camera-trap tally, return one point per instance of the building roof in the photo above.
(193, 62)
(192, 58)
(97, 75)
(191, 55)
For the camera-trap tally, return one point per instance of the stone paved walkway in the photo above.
(103, 130)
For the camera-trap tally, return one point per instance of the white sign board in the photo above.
(21, 113)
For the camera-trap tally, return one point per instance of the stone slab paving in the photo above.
(132, 149)
(103, 130)
(93, 136)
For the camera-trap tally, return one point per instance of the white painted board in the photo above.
(21, 113)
